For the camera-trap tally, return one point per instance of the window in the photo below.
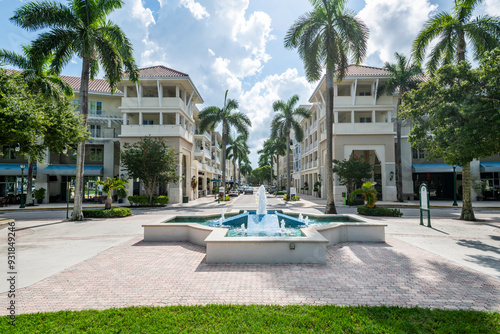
(365, 119)
(418, 154)
(96, 154)
(9, 153)
(95, 131)
(344, 90)
(95, 107)
(147, 122)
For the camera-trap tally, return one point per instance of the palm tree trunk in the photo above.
(467, 210)
(80, 157)
(399, 170)
(224, 139)
(278, 171)
(239, 172)
(330, 200)
(271, 179)
(234, 173)
(288, 165)
(29, 197)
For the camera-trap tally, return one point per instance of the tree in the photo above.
(39, 80)
(273, 148)
(262, 173)
(368, 192)
(212, 116)
(246, 168)
(456, 117)
(283, 123)
(351, 172)
(108, 185)
(453, 31)
(80, 29)
(325, 38)
(237, 150)
(151, 161)
(404, 76)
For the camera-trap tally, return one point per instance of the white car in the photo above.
(233, 192)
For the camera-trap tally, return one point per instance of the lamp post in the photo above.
(22, 186)
(454, 186)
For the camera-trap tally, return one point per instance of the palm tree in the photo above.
(454, 31)
(246, 167)
(325, 38)
(108, 185)
(80, 29)
(273, 148)
(286, 121)
(40, 80)
(212, 116)
(404, 75)
(236, 150)
(368, 192)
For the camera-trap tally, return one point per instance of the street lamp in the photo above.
(22, 186)
(454, 186)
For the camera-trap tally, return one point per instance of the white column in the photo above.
(160, 92)
(125, 118)
(389, 116)
(335, 117)
(161, 118)
(352, 116)
(353, 93)
(140, 117)
(177, 119)
(373, 116)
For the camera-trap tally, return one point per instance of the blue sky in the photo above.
(238, 44)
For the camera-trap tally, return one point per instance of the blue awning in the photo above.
(434, 168)
(88, 170)
(14, 169)
(493, 166)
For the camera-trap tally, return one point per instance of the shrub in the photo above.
(161, 200)
(227, 198)
(111, 213)
(355, 201)
(378, 211)
(281, 192)
(294, 198)
(143, 200)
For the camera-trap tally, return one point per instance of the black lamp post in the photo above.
(454, 186)
(22, 186)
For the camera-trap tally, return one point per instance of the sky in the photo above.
(237, 45)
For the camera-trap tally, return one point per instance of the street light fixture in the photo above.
(454, 186)
(22, 186)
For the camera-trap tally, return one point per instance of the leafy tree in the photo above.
(151, 161)
(453, 30)
(456, 117)
(286, 121)
(404, 76)
(80, 29)
(262, 173)
(367, 191)
(212, 116)
(108, 185)
(351, 172)
(326, 38)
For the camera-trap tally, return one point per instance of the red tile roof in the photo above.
(158, 71)
(353, 70)
(96, 85)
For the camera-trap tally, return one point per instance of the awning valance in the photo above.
(434, 168)
(14, 169)
(488, 167)
(88, 170)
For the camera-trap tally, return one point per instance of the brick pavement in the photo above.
(137, 273)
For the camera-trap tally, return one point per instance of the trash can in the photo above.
(185, 199)
(344, 197)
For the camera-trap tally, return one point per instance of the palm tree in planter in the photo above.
(453, 31)
(326, 38)
(81, 28)
(212, 116)
(368, 192)
(110, 184)
(404, 76)
(286, 121)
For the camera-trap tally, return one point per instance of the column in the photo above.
(352, 116)
(373, 116)
(140, 117)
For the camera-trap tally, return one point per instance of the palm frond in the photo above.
(44, 14)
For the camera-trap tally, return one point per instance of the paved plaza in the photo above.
(100, 264)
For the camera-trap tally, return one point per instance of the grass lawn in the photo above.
(257, 319)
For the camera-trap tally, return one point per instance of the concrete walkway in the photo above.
(99, 264)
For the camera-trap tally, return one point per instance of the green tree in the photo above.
(246, 168)
(237, 150)
(286, 121)
(453, 31)
(368, 192)
(109, 185)
(326, 38)
(81, 28)
(212, 116)
(456, 118)
(404, 76)
(262, 173)
(270, 153)
(151, 161)
(352, 172)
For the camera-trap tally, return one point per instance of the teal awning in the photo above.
(434, 168)
(88, 170)
(488, 167)
(14, 169)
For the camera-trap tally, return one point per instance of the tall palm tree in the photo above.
(454, 30)
(325, 38)
(286, 121)
(40, 80)
(236, 150)
(246, 168)
(81, 28)
(211, 117)
(404, 75)
(270, 153)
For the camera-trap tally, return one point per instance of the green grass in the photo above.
(257, 319)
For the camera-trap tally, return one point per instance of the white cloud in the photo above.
(393, 25)
(492, 7)
(221, 70)
(198, 11)
(211, 52)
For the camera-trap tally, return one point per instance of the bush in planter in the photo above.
(121, 193)
(293, 198)
(143, 200)
(111, 213)
(39, 194)
(379, 211)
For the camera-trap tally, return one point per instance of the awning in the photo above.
(215, 180)
(14, 169)
(434, 168)
(493, 166)
(88, 170)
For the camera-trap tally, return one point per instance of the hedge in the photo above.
(111, 213)
(378, 211)
(227, 198)
(281, 192)
(294, 198)
(143, 200)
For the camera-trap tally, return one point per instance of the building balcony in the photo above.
(105, 134)
(362, 128)
(153, 102)
(156, 131)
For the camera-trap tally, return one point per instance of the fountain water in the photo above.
(262, 222)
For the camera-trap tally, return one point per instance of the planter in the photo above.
(120, 200)
(39, 201)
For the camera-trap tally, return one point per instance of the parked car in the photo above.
(249, 190)
(272, 189)
(233, 192)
